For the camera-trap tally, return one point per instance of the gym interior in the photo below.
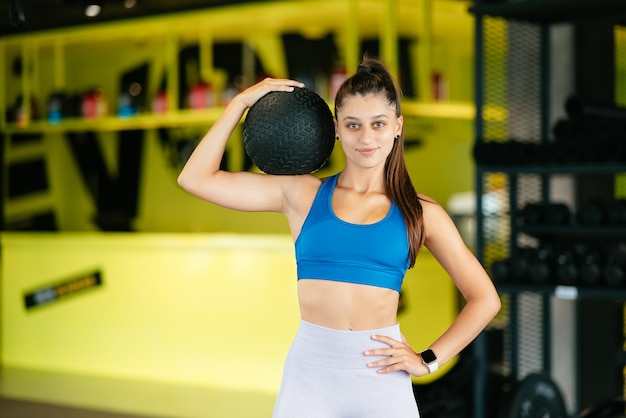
(123, 296)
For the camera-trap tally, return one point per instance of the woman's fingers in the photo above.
(283, 81)
(390, 352)
(387, 340)
(253, 93)
(399, 356)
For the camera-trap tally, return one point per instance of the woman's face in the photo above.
(367, 127)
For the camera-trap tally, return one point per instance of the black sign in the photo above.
(54, 292)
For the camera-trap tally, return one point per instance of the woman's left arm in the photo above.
(482, 301)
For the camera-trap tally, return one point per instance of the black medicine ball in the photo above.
(289, 132)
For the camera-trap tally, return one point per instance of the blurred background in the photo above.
(123, 295)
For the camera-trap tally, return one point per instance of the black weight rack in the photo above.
(531, 141)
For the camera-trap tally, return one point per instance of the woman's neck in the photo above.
(362, 181)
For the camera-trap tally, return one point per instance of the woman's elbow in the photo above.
(494, 304)
(181, 180)
(184, 180)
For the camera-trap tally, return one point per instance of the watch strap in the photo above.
(430, 360)
(433, 366)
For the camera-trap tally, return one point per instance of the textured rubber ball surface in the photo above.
(289, 132)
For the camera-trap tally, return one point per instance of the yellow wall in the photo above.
(215, 310)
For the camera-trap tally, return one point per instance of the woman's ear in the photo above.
(400, 123)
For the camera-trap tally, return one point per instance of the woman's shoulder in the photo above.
(427, 201)
(302, 186)
(310, 181)
(431, 209)
(437, 222)
(307, 180)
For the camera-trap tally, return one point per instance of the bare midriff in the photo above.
(347, 306)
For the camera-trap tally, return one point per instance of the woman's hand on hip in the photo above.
(400, 356)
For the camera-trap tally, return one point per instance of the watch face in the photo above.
(428, 356)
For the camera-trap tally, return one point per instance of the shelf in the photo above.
(114, 123)
(610, 168)
(565, 292)
(463, 111)
(553, 11)
(569, 231)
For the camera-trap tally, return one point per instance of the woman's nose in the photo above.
(366, 136)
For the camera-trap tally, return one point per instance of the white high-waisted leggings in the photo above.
(326, 376)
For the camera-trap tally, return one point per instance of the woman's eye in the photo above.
(379, 124)
(352, 126)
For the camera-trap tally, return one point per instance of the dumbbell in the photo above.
(512, 269)
(567, 272)
(590, 263)
(545, 214)
(532, 214)
(540, 268)
(614, 272)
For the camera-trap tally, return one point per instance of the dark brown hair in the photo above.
(373, 77)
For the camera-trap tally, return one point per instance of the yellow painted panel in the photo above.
(216, 310)
(212, 310)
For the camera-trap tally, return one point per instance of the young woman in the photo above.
(355, 235)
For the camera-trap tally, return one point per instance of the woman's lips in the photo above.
(367, 151)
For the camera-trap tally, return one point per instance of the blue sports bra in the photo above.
(329, 248)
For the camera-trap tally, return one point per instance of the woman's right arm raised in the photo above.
(202, 177)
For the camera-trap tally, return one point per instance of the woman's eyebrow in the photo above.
(382, 115)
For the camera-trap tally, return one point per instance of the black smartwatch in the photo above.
(430, 360)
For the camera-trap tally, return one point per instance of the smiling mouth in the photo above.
(366, 151)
